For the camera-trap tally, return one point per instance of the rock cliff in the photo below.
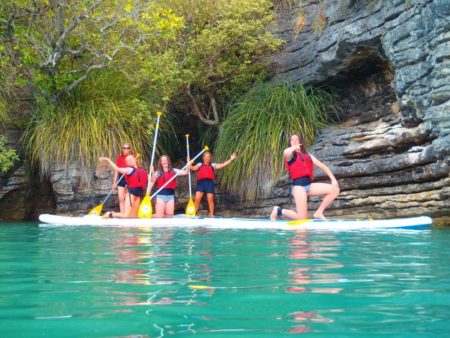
(389, 64)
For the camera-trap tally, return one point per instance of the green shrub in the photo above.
(258, 127)
(7, 156)
(104, 113)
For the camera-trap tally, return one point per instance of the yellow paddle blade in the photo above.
(190, 208)
(145, 208)
(201, 287)
(96, 211)
(298, 222)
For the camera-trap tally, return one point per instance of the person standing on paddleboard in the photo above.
(165, 199)
(300, 165)
(121, 185)
(136, 180)
(205, 179)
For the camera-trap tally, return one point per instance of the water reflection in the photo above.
(313, 268)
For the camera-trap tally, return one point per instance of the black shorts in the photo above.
(206, 185)
(136, 192)
(122, 183)
(304, 182)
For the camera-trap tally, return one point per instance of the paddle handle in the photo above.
(107, 196)
(182, 169)
(152, 157)
(189, 174)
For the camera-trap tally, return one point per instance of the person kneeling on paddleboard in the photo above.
(165, 199)
(136, 179)
(205, 179)
(300, 165)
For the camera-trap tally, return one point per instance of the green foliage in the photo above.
(258, 128)
(222, 48)
(7, 156)
(101, 114)
(58, 44)
(99, 70)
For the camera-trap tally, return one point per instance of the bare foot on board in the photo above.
(319, 215)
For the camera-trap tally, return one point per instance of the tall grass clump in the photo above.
(258, 127)
(94, 121)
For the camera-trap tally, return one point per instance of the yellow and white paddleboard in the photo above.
(182, 221)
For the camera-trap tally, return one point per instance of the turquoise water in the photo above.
(121, 282)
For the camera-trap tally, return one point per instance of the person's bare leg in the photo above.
(121, 197)
(131, 209)
(330, 192)
(160, 205)
(169, 209)
(210, 199)
(198, 199)
(301, 206)
(134, 209)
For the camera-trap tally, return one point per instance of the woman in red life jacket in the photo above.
(300, 166)
(136, 179)
(205, 179)
(121, 185)
(165, 199)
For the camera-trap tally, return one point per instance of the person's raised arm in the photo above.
(227, 162)
(152, 179)
(194, 167)
(186, 170)
(325, 169)
(113, 165)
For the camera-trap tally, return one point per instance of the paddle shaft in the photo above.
(182, 169)
(189, 156)
(106, 198)
(154, 144)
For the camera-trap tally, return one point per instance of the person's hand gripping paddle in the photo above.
(145, 208)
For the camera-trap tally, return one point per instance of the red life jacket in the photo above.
(164, 176)
(137, 179)
(121, 161)
(301, 165)
(206, 171)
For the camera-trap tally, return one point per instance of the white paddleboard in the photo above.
(183, 221)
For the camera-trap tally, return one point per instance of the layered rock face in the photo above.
(389, 64)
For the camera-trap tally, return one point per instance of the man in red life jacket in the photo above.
(205, 179)
(136, 179)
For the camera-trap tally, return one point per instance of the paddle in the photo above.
(181, 170)
(190, 208)
(98, 209)
(145, 208)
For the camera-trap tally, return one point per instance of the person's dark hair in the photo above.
(160, 167)
(302, 147)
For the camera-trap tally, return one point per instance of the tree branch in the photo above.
(199, 112)
(72, 85)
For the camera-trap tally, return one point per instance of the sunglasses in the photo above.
(125, 147)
